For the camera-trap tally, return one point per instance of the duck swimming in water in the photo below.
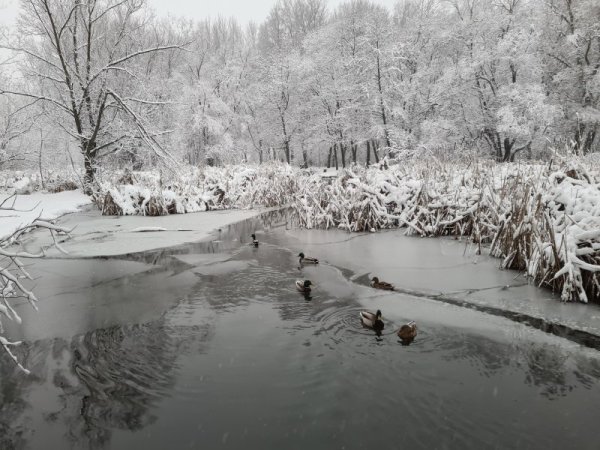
(304, 286)
(381, 284)
(254, 240)
(371, 320)
(408, 332)
(307, 259)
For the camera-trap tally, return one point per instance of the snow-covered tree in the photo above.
(570, 46)
(83, 60)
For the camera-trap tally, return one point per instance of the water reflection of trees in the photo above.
(123, 372)
(547, 367)
(12, 404)
(111, 381)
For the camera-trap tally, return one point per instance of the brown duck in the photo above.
(407, 332)
(381, 284)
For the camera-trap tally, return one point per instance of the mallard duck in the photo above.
(407, 332)
(371, 320)
(381, 284)
(303, 286)
(307, 259)
(254, 241)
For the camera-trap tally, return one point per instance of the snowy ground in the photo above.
(96, 235)
(27, 208)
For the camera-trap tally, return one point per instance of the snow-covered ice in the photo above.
(96, 235)
(43, 206)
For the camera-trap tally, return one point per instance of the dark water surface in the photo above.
(210, 346)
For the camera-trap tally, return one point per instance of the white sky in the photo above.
(243, 10)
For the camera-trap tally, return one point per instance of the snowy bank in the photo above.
(95, 235)
(542, 219)
(21, 210)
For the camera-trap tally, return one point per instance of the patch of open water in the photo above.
(211, 346)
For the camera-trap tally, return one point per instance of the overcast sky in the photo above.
(243, 10)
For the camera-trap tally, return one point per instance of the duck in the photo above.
(307, 259)
(381, 284)
(254, 240)
(304, 286)
(408, 332)
(371, 320)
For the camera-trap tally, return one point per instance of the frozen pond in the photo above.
(210, 346)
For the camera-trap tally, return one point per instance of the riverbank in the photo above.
(538, 218)
(95, 235)
(422, 269)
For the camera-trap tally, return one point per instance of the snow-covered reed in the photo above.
(540, 218)
(26, 182)
(240, 187)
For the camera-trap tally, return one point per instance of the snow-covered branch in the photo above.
(11, 280)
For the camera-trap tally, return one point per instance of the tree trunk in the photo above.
(287, 151)
(375, 152)
(329, 158)
(286, 139)
(493, 138)
(589, 140)
(354, 148)
(343, 153)
(90, 174)
(304, 156)
(40, 159)
(335, 156)
(584, 139)
(515, 151)
(508, 145)
(368, 153)
(381, 103)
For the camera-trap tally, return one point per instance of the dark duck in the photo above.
(307, 259)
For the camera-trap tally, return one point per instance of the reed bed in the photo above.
(537, 218)
(543, 219)
(235, 187)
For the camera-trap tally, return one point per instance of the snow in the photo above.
(42, 206)
(95, 235)
(147, 229)
(539, 219)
